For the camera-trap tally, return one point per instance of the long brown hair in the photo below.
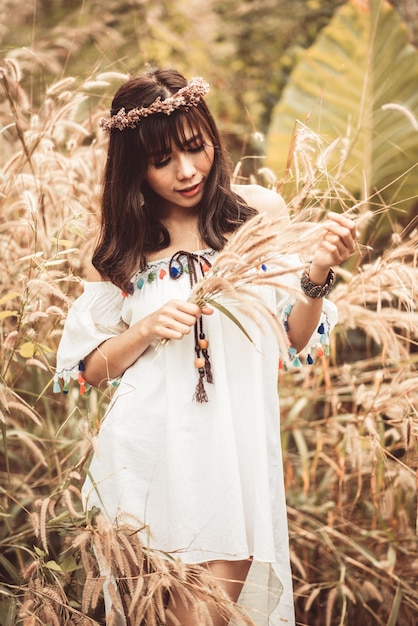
(130, 225)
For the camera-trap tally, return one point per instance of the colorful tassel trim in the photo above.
(320, 347)
(66, 376)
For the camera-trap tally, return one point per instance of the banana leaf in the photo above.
(357, 86)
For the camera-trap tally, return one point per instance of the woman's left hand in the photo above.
(337, 243)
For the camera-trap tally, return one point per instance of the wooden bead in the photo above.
(203, 344)
(199, 362)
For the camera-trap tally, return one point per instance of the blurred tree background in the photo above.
(246, 49)
(249, 47)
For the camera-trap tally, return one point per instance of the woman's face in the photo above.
(179, 177)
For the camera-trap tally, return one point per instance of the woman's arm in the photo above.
(110, 360)
(336, 245)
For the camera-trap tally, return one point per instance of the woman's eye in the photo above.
(159, 164)
(198, 148)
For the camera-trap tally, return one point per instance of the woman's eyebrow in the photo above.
(186, 143)
(193, 139)
(159, 154)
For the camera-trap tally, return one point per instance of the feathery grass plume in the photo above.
(375, 408)
(45, 602)
(350, 434)
(9, 399)
(349, 425)
(70, 505)
(251, 259)
(50, 172)
(308, 182)
(140, 580)
(381, 299)
(32, 445)
(43, 508)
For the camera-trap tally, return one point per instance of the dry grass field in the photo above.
(349, 422)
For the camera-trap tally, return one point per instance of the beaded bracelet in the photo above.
(317, 291)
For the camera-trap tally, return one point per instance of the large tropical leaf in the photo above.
(359, 83)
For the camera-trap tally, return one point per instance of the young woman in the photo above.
(191, 452)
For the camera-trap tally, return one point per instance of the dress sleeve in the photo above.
(94, 317)
(318, 344)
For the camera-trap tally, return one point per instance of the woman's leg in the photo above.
(231, 576)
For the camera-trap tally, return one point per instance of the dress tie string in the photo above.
(195, 264)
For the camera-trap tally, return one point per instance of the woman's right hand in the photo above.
(173, 320)
(112, 358)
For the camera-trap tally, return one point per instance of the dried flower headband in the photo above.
(188, 96)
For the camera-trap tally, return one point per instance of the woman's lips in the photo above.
(190, 191)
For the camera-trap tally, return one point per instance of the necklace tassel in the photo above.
(202, 360)
(200, 394)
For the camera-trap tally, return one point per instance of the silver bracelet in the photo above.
(317, 291)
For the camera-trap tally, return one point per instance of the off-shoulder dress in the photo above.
(206, 479)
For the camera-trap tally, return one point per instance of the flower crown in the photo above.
(188, 96)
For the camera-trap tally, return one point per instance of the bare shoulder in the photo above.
(92, 275)
(264, 200)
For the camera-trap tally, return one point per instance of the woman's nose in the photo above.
(185, 166)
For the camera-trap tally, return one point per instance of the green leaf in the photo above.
(27, 350)
(67, 243)
(76, 230)
(53, 565)
(6, 451)
(69, 564)
(358, 84)
(396, 607)
(4, 314)
(9, 296)
(8, 610)
(13, 574)
(230, 315)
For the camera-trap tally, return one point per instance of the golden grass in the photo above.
(349, 423)
(251, 258)
(139, 581)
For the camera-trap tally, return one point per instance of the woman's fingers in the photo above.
(338, 241)
(343, 230)
(176, 319)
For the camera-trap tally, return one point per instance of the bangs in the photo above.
(159, 133)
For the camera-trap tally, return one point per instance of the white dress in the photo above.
(205, 478)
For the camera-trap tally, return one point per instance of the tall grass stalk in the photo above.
(349, 423)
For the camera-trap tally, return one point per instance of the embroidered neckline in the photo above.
(194, 265)
(166, 259)
(161, 268)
